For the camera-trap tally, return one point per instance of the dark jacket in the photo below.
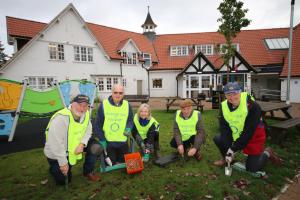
(200, 135)
(253, 133)
(100, 120)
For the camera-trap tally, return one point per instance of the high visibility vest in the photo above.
(236, 119)
(115, 121)
(187, 127)
(143, 130)
(76, 132)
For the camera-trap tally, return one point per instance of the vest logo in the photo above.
(114, 127)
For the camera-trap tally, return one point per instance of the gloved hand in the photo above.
(103, 144)
(229, 156)
(127, 132)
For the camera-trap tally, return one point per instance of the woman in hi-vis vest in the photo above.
(146, 132)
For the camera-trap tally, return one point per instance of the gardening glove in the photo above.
(127, 132)
(229, 156)
(103, 144)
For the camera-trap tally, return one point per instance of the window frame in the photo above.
(233, 44)
(179, 50)
(39, 82)
(129, 60)
(56, 51)
(157, 87)
(83, 54)
(149, 59)
(200, 47)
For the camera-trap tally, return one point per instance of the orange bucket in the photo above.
(134, 163)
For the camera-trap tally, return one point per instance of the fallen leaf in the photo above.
(230, 197)
(208, 196)
(32, 185)
(125, 198)
(289, 180)
(44, 182)
(246, 193)
(170, 188)
(161, 197)
(92, 196)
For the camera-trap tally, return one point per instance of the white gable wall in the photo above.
(34, 61)
(169, 83)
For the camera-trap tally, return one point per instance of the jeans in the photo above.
(253, 162)
(88, 166)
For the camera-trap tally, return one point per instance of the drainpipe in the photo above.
(177, 86)
(290, 54)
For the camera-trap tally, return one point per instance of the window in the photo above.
(83, 54)
(108, 84)
(147, 58)
(56, 51)
(157, 83)
(40, 82)
(223, 49)
(115, 81)
(277, 43)
(101, 84)
(179, 51)
(205, 49)
(130, 58)
(124, 82)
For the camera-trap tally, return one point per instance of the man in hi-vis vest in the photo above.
(67, 136)
(114, 122)
(242, 128)
(189, 133)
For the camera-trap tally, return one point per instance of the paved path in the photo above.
(293, 191)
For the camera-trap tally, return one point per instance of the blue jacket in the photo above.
(100, 120)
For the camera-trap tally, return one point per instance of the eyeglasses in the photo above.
(120, 93)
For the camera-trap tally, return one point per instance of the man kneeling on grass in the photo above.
(242, 128)
(189, 132)
(67, 136)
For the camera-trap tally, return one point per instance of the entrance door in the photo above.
(139, 87)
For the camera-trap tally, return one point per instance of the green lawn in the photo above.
(22, 173)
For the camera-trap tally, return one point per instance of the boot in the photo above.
(274, 157)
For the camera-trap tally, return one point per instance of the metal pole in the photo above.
(290, 54)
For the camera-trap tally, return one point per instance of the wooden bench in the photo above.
(137, 98)
(279, 130)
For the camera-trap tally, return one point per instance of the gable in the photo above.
(237, 64)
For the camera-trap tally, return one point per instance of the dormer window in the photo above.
(147, 59)
(206, 49)
(223, 49)
(130, 58)
(179, 51)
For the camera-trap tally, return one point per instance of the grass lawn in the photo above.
(22, 174)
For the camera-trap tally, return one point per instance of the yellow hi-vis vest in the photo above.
(115, 119)
(187, 127)
(236, 119)
(143, 130)
(76, 132)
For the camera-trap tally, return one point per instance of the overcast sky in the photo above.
(171, 16)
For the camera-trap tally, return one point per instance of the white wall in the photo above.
(69, 31)
(294, 90)
(169, 83)
(132, 73)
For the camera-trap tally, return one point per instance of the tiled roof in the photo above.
(108, 37)
(23, 27)
(251, 43)
(295, 67)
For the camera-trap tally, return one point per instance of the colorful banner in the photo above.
(41, 102)
(10, 93)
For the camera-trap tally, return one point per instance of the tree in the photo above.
(3, 56)
(232, 21)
